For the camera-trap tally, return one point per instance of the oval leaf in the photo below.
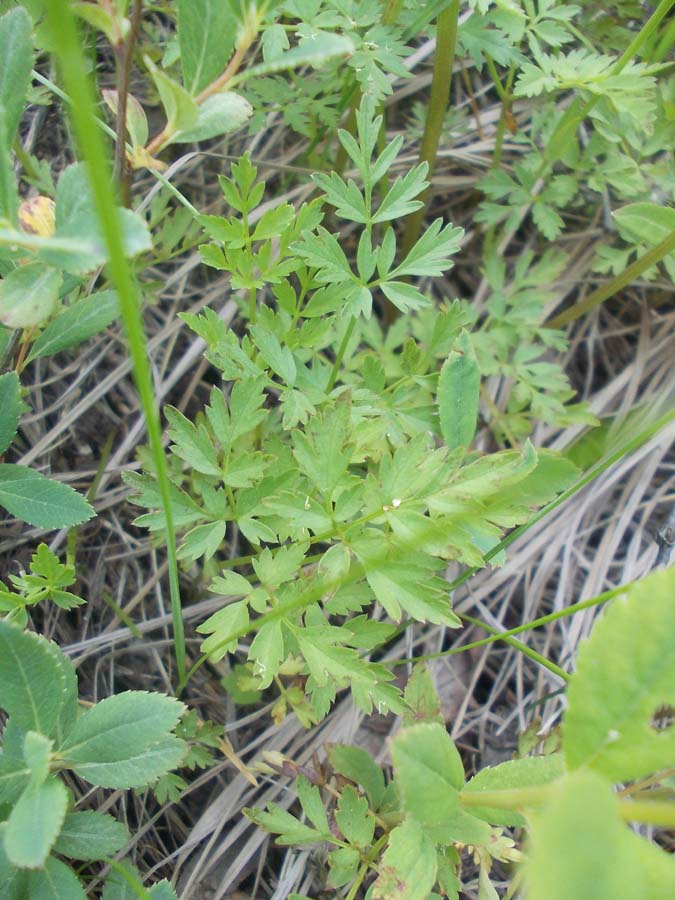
(219, 114)
(30, 496)
(28, 295)
(459, 395)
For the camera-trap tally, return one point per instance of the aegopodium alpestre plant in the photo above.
(340, 453)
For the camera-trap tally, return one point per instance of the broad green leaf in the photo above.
(90, 835)
(40, 501)
(408, 866)
(532, 771)
(579, 847)
(353, 820)
(16, 53)
(459, 395)
(76, 323)
(35, 822)
(316, 50)
(28, 295)
(14, 881)
(180, 109)
(33, 684)
(207, 30)
(11, 408)
(55, 882)
(135, 770)
(429, 774)
(218, 114)
(625, 678)
(359, 766)
(77, 245)
(657, 865)
(120, 727)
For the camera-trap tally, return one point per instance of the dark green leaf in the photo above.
(206, 34)
(55, 882)
(40, 501)
(11, 408)
(34, 823)
(33, 684)
(16, 53)
(90, 835)
(76, 323)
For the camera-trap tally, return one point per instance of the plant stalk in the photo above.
(68, 50)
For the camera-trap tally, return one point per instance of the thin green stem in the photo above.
(68, 49)
(528, 626)
(518, 645)
(605, 291)
(335, 371)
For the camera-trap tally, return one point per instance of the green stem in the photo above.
(518, 645)
(528, 626)
(69, 52)
(645, 811)
(335, 371)
(446, 37)
(605, 291)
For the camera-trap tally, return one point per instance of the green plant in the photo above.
(364, 456)
(408, 836)
(121, 742)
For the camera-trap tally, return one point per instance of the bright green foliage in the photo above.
(123, 741)
(578, 844)
(27, 494)
(348, 459)
(46, 581)
(625, 679)
(595, 839)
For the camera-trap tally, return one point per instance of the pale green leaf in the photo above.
(40, 501)
(180, 109)
(120, 727)
(232, 619)
(55, 882)
(137, 769)
(359, 766)
(429, 773)
(459, 395)
(625, 676)
(28, 295)
(353, 820)
(14, 881)
(76, 323)
(408, 866)
(33, 687)
(532, 771)
(207, 30)
(90, 835)
(16, 53)
(218, 114)
(35, 822)
(579, 847)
